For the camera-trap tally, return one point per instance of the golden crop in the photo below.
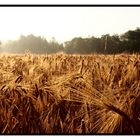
(63, 94)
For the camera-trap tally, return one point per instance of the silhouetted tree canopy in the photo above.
(106, 44)
(128, 42)
(33, 44)
(131, 41)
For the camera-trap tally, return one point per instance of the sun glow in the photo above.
(65, 23)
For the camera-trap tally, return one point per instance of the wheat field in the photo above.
(69, 94)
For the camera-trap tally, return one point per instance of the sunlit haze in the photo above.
(65, 23)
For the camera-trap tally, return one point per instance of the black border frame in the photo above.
(69, 5)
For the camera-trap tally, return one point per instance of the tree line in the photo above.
(32, 44)
(128, 42)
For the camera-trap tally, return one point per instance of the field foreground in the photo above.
(69, 94)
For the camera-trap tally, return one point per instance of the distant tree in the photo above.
(54, 46)
(82, 45)
(131, 40)
(33, 44)
(0, 47)
(112, 44)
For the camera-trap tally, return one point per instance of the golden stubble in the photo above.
(69, 94)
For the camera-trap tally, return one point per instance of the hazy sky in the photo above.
(65, 23)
